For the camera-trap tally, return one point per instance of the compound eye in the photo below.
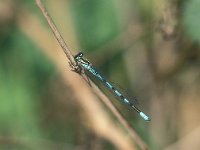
(79, 55)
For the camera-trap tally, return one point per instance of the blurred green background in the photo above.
(149, 49)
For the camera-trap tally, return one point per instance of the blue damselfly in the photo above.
(85, 64)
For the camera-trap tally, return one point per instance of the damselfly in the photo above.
(84, 63)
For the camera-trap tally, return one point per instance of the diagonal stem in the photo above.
(97, 91)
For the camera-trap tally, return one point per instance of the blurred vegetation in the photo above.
(151, 49)
(191, 19)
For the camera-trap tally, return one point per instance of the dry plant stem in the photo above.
(58, 36)
(119, 116)
(69, 55)
(100, 124)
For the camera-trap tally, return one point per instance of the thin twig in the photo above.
(55, 31)
(101, 124)
(97, 91)
(119, 116)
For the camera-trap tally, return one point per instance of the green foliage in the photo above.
(22, 77)
(191, 18)
(146, 9)
(95, 21)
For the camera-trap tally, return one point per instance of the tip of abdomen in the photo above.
(144, 116)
